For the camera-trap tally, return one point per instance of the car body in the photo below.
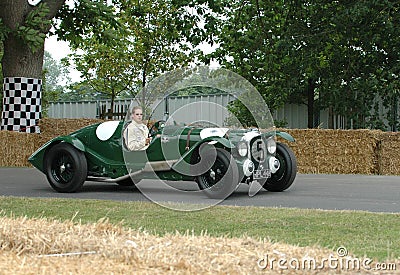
(218, 159)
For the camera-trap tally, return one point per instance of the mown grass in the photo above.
(374, 235)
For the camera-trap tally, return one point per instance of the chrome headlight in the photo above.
(242, 148)
(271, 146)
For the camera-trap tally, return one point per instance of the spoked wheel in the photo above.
(65, 168)
(221, 176)
(284, 177)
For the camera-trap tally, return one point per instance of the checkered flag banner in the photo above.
(22, 104)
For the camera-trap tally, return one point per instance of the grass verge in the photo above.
(374, 235)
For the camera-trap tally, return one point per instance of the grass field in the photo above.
(364, 234)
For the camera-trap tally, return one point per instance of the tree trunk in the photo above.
(144, 95)
(310, 103)
(22, 69)
(330, 118)
(111, 114)
(18, 58)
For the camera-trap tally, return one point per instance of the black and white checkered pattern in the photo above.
(22, 104)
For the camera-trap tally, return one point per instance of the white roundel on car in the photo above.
(213, 132)
(106, 129)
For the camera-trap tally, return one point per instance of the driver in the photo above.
(136, 134)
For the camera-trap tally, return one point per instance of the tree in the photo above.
(107, 70)
(23, 28)
(247, 34)
(304, 49)
(325, 54)
(53, 74)
(360, 49)
(81, 91)
(158, 39)
(56, 73)
(153, 41)
(23, 32)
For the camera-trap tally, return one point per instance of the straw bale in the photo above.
(390, 154)
(39, 246)
(53, 127)
(335, 151)
(16, 148)
(316, 150)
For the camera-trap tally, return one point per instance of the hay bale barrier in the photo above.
(389, 157)
(316, 150)
(16, 148)
(53, 127)
(335, 151)
(42, 246)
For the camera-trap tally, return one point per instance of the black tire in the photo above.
(65, 168)
(284, 177)
(222, 175)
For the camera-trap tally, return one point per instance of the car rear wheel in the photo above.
(65, 168)
(221, 177)
(284, 177)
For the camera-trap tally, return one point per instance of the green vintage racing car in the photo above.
(218, 159)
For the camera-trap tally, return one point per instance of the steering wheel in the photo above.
(157, 126)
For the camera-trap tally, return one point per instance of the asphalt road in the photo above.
(331, 192)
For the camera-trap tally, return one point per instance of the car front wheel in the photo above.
(221, 174)
(65, 168)
(284, 177)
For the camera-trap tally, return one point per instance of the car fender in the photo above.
(286, 136)
(183, 162)
(37, 158)
(73, 141)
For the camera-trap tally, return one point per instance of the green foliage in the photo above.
(158, 34)
(362, 47)
(80, 92)
(3, 34)
(33, 30)
(281, 123)
(197, 91)
(325, 54)
(54, 73)
(151, 41)
(87, 19)
(107, 71)
(241, 113)
(94, 28)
